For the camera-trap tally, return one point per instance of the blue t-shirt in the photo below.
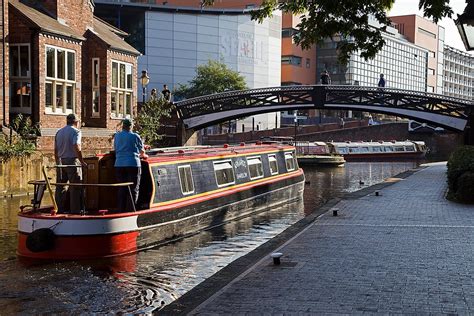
(127, 147)
(64, 142)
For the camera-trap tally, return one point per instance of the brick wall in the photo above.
(4, 82)
(78, 14)
(89, 144)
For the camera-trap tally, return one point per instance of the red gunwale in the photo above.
(172, 205)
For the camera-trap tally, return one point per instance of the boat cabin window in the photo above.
(409, 148)
(224, 173)
(388, 148)
(343, 150)
(353, 149)
(255, 167)
(186, 179)
(290, 162)
(273, 164)
(399, 148)
(364, 149)
(376, 149)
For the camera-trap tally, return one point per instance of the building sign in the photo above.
(244, 46)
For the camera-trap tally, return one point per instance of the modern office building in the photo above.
(430, 36)
(403, 64)
(175, 40)
(458, 73)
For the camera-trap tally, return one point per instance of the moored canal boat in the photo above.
(394, 150)
(317, 154)
(182, 191)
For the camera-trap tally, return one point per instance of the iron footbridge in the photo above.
(448, 112)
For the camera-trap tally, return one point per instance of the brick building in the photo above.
(62, 59)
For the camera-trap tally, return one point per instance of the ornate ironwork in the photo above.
(448, 112)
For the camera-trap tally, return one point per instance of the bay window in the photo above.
(20, 78)
(60, 85)
(122, 90)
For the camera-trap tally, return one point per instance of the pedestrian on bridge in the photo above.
(325, 78)
(381, 83)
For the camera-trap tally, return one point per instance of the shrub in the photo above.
(22, 142)
(461, 175)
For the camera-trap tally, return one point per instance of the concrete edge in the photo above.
(206, 289)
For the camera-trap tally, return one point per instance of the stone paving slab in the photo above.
(407, 251)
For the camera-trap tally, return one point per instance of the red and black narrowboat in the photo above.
(183, 190)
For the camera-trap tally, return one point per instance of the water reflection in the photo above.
(146, 281)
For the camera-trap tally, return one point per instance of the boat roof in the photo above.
(169, 154)
(373, 144)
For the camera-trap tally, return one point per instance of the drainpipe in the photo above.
(3, 62)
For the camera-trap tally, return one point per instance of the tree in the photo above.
(149, 119)
(348, 19)
(213, 77)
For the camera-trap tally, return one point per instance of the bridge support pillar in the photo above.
(469, 131)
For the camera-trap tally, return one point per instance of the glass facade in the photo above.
(458, 73)
(403, 64)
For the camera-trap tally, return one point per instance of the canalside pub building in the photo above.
(58, 58)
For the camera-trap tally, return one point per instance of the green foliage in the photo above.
(149, 119)
(18, 147)
(348, 19)
(22, 141)
(213, 77)
(461, 175)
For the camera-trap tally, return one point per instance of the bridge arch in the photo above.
(448, 112)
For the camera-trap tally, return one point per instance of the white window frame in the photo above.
(270, 157)
(25, 109)
(218, 165)
(292, 157)
(55, 81)
(95, 86)
(117, 91)
(186, 167)
(250, 161)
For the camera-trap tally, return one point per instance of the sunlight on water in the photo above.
(146, 281)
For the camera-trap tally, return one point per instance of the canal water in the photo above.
(148, 280)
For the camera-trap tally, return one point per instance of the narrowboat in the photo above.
(182, 191)
(317, 153)
(380, 150)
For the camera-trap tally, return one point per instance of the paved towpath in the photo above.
(406, 251)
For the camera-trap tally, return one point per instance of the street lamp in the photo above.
(145, 80)
(465, 24)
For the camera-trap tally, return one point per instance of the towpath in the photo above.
(408, 250)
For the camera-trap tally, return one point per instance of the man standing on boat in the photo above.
(67, 152)
(128, 148)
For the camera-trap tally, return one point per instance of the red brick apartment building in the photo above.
(58, 58)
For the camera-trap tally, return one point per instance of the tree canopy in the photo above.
(213, 77)
(149, 119)
(348, 19)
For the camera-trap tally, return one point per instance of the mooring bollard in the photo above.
(334, 211)
(377, 193)
(276, 257)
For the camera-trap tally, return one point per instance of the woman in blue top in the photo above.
(128, 150)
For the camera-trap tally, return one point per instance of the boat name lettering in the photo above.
(242, 175)
(240, 162)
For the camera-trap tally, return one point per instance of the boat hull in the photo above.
(86, 237)
(320, 160)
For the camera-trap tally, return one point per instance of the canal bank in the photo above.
(407, 250)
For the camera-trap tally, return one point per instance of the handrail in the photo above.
(65, 166)
(122, 184)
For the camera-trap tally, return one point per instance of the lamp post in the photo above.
(145, 80)
(465, 24)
